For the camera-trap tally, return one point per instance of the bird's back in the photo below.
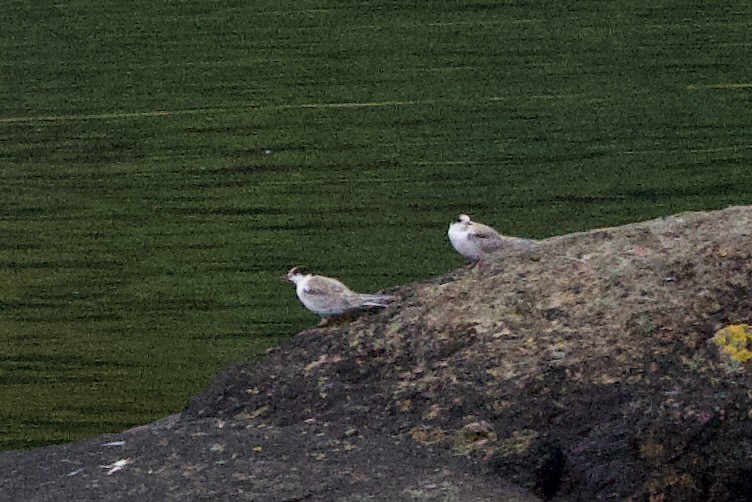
(327, 296)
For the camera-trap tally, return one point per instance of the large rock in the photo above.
(610, 364)
(588, 368)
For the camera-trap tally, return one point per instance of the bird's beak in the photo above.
(284, 278)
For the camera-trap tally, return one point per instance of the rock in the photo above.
(603, 364)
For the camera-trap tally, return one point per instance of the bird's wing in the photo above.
(489, 239)
(334, 290)
(521, 243)
(325, 286)
(327, 295)
(483, 234)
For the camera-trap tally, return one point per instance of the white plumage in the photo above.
(326, 296)
(474, 240)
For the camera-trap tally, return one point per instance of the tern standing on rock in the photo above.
(327, 297)
(474, 240)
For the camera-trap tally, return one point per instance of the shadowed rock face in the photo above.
(606, 364)
(584, 368)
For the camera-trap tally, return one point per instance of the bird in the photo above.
(474, 240)
(327, 297)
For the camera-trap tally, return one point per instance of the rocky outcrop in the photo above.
(591, 367)
(605, 364)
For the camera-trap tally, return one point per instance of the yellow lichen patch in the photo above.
(735, 341)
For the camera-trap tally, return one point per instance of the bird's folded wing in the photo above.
(484, 235)
(324, 287)
(317, 291)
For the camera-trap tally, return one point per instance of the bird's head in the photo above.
(294, 274)
(464, 220)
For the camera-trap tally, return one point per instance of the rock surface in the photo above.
(605, 364)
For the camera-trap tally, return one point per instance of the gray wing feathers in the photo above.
(328, 294)
(325, 286)
(518, 243)
(367, 300)
(489, 239)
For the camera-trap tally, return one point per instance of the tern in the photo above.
(474, 240)
(327, 297)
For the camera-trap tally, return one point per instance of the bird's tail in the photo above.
(367, 300)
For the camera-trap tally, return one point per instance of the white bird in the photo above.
(474, 240)
(327, 297)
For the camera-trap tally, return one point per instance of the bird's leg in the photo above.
(480, 266)
(324, 321)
